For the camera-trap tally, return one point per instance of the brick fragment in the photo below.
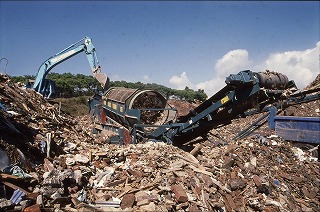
(268, 209)
(198, 189)
(136, 174)
(239, 164)
(127, 201)
(228, 163)
(284, 175)
(313, 193)
(257, 180)
(33, 208)
(230, 202)
(194, 208)
(230, 149)
(207, 181)
(298, 179)
(233, 175)
(181, 195)
(73, 190)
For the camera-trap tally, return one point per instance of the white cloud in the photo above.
(231, 63)
(180, 82)
(146, 78)
(234, 60)
(210, 87)
(300, 66)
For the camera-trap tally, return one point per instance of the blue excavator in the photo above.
(47, 87)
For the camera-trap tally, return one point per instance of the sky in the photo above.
(172, 43)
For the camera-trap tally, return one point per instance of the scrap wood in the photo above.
(220, 185)
(4, 176)
(15, 187)
(196, 149)
(188, 158)
(109, 188)
(199, 204)
(127, 190)
(149, 186)
(201, 169)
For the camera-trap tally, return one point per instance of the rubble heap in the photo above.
(27, 119)
(314, 84)
(70, 169)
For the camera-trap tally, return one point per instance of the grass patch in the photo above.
(75, 106)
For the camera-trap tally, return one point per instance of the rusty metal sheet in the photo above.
(119, 94)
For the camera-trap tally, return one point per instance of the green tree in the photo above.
(72, 85)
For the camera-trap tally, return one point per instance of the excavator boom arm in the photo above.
(84, 45)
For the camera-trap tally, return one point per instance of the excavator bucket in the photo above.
(102, 78)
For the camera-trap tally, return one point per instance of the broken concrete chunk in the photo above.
(81, 158)
(141, 195)
(48, 166)
(104, 176)
(143, 202)
(69, 147)
(253, 161)
(6, 204)
(55, 195)
(70, 161)
(39, 200)
(236, 184)
(150, 207)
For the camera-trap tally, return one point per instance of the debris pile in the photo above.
(255, 174)
(27, 120)
(183, 106)
(148, 101)
(314, 84)
(52, 161)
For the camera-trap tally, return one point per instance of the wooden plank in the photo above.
(15, 187)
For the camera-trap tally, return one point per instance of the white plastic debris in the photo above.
(299, 153)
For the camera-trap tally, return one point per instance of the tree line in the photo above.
(73, 85)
